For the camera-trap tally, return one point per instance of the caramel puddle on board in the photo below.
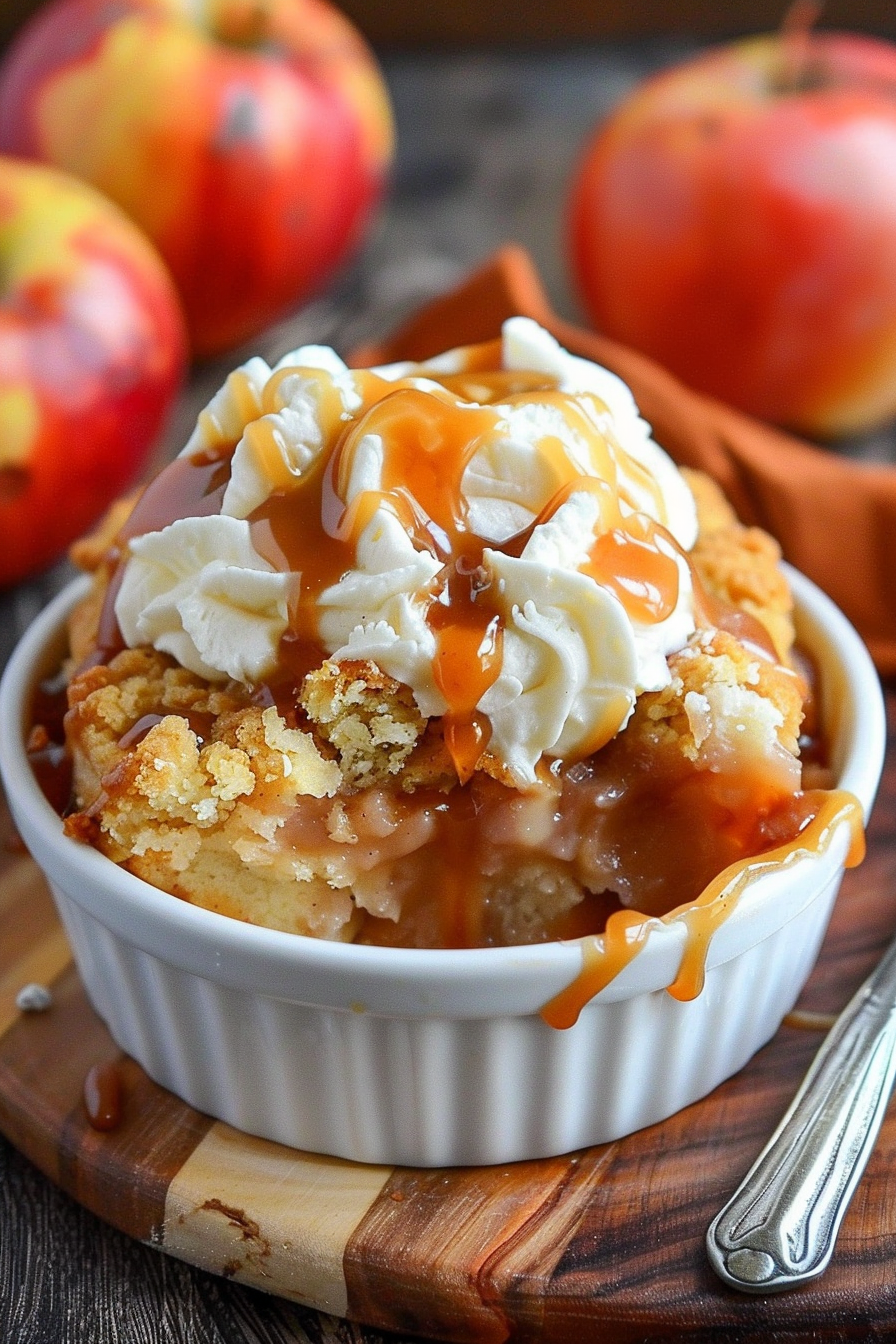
(605, 955)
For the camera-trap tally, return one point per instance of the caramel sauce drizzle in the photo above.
(199, 722)
(103, 1099)
(189, 487)
(248, 406)
(628, 561)
(605, 955)
(51, 763)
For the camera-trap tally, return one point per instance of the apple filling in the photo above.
(239, 807)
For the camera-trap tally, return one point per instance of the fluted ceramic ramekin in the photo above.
(436, 1058)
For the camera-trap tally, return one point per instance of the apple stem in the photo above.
(796, 32)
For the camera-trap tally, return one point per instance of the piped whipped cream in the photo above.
(509, 542)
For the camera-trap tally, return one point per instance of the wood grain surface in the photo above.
(607, 1239)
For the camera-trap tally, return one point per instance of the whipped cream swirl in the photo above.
(551, 484)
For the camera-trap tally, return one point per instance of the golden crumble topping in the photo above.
(721, 691)
(369, 718)
(740, 564)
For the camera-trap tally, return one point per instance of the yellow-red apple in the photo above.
(249, 138)
(735, 219)
(92, 350)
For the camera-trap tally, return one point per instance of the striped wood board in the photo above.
(607, 1239)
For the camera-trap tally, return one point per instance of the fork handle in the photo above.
(779, 1228)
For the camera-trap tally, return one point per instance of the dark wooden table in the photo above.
(486, 144)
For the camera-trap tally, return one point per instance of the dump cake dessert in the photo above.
(447, 654)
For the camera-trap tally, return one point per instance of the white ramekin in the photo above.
(435, 1058)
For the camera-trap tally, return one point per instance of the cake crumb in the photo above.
(370, 719)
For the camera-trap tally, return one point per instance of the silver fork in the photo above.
(779, 1228)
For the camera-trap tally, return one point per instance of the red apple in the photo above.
(92, 350)
(249, 138)
(736, 220)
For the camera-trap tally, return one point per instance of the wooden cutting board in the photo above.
(606, 1243)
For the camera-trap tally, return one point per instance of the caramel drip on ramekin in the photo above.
(605, 955)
